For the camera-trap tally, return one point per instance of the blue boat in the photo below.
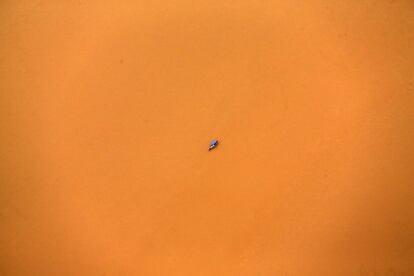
(213, 144)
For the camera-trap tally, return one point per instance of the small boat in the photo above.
(213, 144)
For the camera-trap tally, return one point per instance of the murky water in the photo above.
(108, 108)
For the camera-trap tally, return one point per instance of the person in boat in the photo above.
(213, 144)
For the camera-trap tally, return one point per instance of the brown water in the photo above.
(107, 109)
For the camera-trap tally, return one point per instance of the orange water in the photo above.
(107, 109)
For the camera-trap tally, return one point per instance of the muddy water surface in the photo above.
(107, 109)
